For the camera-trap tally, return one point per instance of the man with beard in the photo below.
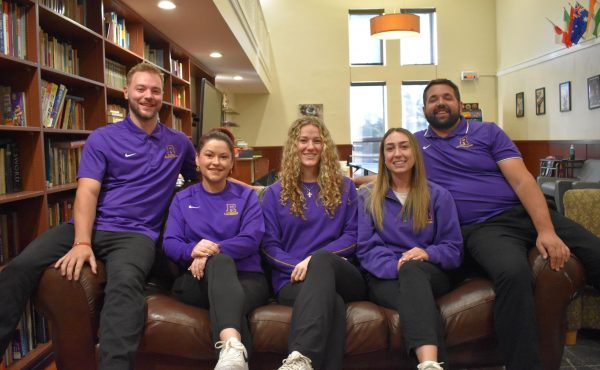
(126, 177)
(502, 213)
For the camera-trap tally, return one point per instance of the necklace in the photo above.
(308, 190)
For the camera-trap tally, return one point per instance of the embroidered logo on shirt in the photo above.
(230, 210)
(170, 152)
(127, 155)
(427, 146)
(464, 143)
(193, 207)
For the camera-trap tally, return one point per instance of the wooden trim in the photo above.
(534, 150)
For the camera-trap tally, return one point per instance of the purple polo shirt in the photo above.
(231, 218)
(289, 239)
(138, 174)
(466, 163)
(379, 250)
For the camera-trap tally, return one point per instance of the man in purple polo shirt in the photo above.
(503, 214)
(125, 181)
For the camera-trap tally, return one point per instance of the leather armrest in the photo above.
(542, 179)
(553, 292)
(73, 307)
(585, 185)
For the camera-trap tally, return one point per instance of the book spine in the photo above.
(17, 179)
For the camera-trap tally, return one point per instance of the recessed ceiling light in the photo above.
(215, 54)
(238, 78)
(166, 4)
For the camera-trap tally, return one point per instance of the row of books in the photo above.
(177, 123)
(155, 56)
(115, 74)
(11, 180)
(116, 30)
(13, 26)
(74, 9)
(115, 113)
(58, 54)
(179, 96)
(12, 104)
(177, 68)
(59, 212)
(60, 110)
(62, 161)
(9, 236)
(31, 331)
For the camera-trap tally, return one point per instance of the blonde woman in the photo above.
(408, 235)
(310, 231)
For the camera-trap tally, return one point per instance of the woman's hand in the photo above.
(205, 248)
(299, 273)
(197, 267)
(416, 253)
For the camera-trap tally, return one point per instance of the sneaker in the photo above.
(430, 365)
(296, 361)
(233, 355)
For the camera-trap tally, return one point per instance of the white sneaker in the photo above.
(430, 365)
(296, 361)
(233, 355)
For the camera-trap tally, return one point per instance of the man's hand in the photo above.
(550, 245)
(299, 273)
(416, 253)
(205, 248)
(197, 267)
(70, 264)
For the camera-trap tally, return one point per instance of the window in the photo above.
(413, 118)
(367, 123)
(364, 49)
(421, 49)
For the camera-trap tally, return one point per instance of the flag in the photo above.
(596, 23)
(590, 24)
(567, 17)
(579, 23)
(558, 33)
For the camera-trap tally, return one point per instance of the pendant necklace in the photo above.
(308, 191)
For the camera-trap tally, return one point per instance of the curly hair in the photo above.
(330, 173)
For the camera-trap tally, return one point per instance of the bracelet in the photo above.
(81, 243)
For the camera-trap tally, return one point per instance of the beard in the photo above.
(442, 124)
(142, 116)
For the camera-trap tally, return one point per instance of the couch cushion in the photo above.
(590, 171)
(176, 329)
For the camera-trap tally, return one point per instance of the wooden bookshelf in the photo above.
(89, 37)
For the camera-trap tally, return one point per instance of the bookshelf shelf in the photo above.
(33, 77)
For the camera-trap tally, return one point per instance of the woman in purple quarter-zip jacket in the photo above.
(214, 231)
(310, 230)
(408, 235)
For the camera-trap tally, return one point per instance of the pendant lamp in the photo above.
(395, 26)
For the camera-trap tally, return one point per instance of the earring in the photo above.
(197, 168)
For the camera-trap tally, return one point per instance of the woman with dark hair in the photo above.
(310, 223)
(214, 230)
(408, 235)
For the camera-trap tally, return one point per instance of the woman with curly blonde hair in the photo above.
(310, 231)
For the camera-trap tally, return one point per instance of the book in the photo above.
(58, 99)
(17, 178)
(17, 106)
(5, 105)
(57, 113)
(2, 170)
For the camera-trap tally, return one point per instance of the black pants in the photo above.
(318, 328)
(228, 294)
(500, 246)
(128, 258)
(413, 296)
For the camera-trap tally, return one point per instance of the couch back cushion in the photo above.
(590, 171)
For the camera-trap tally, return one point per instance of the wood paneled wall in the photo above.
(274, 153)
(534, 150)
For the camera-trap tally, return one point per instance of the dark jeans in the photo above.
(228, 294)
(413, 295)
(128, 258)
(500, 246)
(318, 328)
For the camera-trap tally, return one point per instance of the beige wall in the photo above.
(529, 58)
(309, 40)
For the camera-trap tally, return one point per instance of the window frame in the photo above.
(375, 13)
(432, 28)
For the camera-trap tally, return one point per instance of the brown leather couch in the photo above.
(177, 336)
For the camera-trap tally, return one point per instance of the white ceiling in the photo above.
(198, 28)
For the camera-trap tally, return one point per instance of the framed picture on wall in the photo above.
(520, 104)
(540, 101)
(564, 95)
(593, 85)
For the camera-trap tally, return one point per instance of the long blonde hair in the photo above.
(330, 173)
(417, 201)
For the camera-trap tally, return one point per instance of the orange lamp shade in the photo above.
(395, 26)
